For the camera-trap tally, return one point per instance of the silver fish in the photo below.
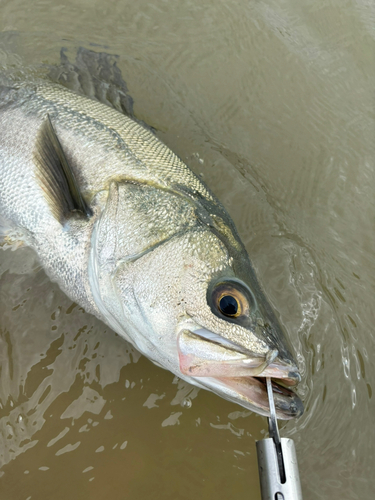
(131, 234)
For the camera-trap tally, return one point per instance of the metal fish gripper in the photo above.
(277, 461)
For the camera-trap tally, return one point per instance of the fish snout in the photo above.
(239, 375)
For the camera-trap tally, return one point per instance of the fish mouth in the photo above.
(229, 370)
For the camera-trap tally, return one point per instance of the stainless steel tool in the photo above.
(277, 461)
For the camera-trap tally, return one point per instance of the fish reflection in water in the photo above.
(70, 353)
(135, 238)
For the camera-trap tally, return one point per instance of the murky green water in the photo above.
(273, 104)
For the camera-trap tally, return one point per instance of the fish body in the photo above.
(138, 240)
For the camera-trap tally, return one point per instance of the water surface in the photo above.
(272, 104)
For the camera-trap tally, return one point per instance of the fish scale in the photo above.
(148, 154)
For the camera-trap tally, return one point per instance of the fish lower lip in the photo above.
(254, 390)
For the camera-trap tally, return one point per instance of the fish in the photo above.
(132, 235)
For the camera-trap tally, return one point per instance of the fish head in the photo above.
(200, 312)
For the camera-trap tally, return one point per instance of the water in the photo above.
(272, 103)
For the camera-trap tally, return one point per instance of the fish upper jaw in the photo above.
(236, 374)
(211, 353)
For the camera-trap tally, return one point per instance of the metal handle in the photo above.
(270, 482)
(277, 461)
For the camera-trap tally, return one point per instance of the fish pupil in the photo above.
(228, 305)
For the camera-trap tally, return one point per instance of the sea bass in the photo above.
(131, 234)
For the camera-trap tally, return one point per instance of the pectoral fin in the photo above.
(55, 175)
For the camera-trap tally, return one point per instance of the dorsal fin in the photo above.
(55, 174)
(95, 75)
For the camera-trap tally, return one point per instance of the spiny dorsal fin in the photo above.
(95, 75)
(55, 174)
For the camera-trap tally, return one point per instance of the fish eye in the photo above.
(229, 306)
(230, 299)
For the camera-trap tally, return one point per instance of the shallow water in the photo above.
(272, 103)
